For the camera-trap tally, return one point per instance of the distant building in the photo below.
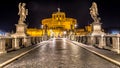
(2, 33)
(113, 30)
(58, 25)
(34, 32)
(84, 31)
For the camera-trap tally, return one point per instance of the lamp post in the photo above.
(75, 28)
(65, 34)
(42, 29)
(75, 31)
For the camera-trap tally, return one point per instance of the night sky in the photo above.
(109, 11)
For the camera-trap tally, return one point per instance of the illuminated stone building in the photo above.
(34, 32)
(84, 31)
(58, 26)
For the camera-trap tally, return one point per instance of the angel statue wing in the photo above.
(19, 6)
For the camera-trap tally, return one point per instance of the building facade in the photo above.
(56, 26)
(59, 25)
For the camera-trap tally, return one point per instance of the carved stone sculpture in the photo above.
(22, 12)
(94, 13)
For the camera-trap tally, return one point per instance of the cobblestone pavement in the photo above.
(60, 53)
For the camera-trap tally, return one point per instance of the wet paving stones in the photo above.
(60, 54)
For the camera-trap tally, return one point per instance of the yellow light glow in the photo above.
(56, 26)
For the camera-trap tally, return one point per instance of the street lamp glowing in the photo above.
(65, 32)
(42, 26)
(75, 25)
(42, 29)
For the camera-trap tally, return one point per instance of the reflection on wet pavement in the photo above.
(60, 53)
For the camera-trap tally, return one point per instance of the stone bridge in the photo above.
(110, 42)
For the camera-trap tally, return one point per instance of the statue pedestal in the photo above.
(20, 30)
(97, 30)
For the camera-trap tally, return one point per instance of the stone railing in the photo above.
(110, 42)
(14, 43)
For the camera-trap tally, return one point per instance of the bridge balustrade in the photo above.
(2, 45)
(14, 43)
(113, 41)
(8, 43)
(110, 42)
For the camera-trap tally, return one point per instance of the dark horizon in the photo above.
(38, 10)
